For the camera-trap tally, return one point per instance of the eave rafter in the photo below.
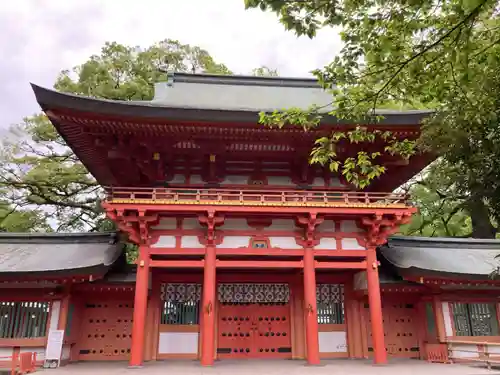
(98, 139)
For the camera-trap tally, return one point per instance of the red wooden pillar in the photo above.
(375, 302)
(140, 308)
(63, 312)
(310, 308)
(437, 308)
(208, 323)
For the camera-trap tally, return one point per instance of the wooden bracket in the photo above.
(211, 220)
(310, 222)
(379, 227)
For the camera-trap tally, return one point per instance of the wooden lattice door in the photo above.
(254, 321)
(254, 330)
(400, 329)
(106, 331)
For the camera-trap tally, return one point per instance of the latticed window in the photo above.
(181, 304)
(475, 319)
(23, 320)
(330, 303)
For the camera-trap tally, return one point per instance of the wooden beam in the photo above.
(261, 252)
(176, 251)
(258, 252)
(341, 265)
(341, 253)
(258, 264)
(177, 263)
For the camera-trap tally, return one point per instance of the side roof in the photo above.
(47, 254)
(217, 98)
(459, 258)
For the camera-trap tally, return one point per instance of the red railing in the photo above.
(253, 197)
(437, 353)
(20, 363)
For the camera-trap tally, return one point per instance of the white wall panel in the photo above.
(192, 242)
(327, 244)
(165, 241)
(332, 342)
(178, 343)
(234, 241)
(284, 242)
(448, 324)
(351, 244)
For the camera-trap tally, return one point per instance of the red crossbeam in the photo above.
(176, 263)
(341, 265)
(258, 264)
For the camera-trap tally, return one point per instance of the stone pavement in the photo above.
(273, 367)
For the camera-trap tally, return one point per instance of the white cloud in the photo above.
(42, 37)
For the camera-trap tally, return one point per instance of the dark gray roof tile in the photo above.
(459, 256)
(52, 252)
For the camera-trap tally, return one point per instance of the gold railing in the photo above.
(229, 197)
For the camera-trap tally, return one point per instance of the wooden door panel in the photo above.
(106, 331)
(254, 330)
(400, 329)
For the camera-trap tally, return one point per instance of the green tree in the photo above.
(441, 207)
(13, 219)
(41, 180)
(265, 71)
(443, 55)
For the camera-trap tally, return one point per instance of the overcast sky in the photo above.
(41, 37)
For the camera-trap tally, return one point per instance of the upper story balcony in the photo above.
(255, 198)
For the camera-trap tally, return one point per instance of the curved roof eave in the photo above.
(442, 257)
(51, 99)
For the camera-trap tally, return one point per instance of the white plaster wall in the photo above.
(318, 181)
(493, 349)
(335, 182)
(326, 226)
(191, 223)
(351, 244)
(39, 350)
(234, 241)
(327, 244)
(282, 224)
(178, 179)
(280, 180)
(165, 241)
(448, 325)
(284, 242)
(166, 223)
(192, 242)
(235, 224)
(235, 180)
(464, 351)
(349, 226)
(178, 343)
(5, 352)
(332, 342)
(54, 316)
(196, 179)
